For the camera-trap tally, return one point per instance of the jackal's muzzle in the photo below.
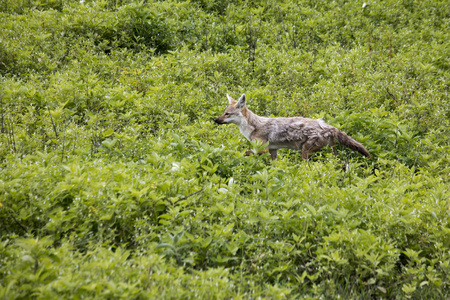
(219, 121)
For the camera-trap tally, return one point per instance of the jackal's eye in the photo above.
(227, 114)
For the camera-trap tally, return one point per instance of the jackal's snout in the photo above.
(219, 121)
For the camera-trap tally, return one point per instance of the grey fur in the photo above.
(308, 135)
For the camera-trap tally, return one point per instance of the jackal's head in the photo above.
(234, 112)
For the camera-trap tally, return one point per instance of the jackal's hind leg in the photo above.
(334, 151)
(305, 155)
(309, 148)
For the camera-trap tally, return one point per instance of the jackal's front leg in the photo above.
(250, 152)
(273, 153)
(309, 148)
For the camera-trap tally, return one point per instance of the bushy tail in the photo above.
(347, 141)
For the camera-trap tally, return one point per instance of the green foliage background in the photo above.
(116, 184)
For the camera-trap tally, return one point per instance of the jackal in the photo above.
(309, 135)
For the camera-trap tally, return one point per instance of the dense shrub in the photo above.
(116, 183)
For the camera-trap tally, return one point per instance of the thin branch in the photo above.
(53, 123)
(12, 136)
(390, 94)
(190, 195)
(3, 126)
(17, 222)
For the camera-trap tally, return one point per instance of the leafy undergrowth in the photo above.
(115, 183)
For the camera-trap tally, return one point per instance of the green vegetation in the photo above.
(116, 184)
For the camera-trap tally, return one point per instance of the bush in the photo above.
(115, 182)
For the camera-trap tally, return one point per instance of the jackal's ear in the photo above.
(241, 102)
(230, 99)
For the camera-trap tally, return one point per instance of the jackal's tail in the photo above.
(347, 141)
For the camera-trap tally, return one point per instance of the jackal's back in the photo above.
(297, 129)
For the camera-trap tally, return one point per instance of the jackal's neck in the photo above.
(249, 123)
(252, 119)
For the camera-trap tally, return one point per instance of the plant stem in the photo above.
(53, 123)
